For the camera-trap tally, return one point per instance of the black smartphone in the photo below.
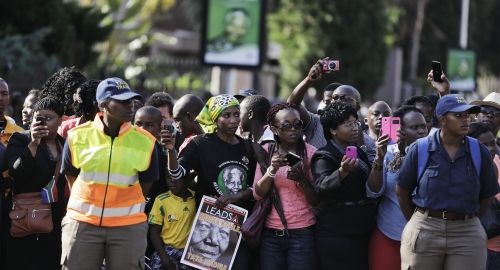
(437, 71)
(292, 159)
(41, 119)
(167, 125)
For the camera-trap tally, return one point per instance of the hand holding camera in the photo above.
(323, 66)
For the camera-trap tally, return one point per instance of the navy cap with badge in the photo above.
(454, 103)
(114, 88)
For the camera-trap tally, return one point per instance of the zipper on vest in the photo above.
(107, 181)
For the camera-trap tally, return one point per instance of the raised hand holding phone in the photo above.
(168, 136)
(438, 80)
(39, 129)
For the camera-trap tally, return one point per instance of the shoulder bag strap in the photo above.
(475, 152)
(275, 197)
(423, 155)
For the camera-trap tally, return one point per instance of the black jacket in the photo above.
(341, 219)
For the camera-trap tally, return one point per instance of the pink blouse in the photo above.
(494, 243)
(298, 212)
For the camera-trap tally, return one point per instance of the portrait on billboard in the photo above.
(461, 69)
(232, 33)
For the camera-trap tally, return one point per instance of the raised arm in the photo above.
(297, 96)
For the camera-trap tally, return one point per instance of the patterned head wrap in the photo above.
(212, 109)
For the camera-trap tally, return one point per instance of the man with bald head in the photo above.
(313, 129)
(185, 111)
(374, 116)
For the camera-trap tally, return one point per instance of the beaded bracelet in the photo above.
(377, 167)
(269, 173)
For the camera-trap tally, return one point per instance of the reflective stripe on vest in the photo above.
(114, 179)
(108, 212)
(107, 191)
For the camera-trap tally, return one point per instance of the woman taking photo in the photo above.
(443, 232)
(483, 134)
(383, 252)
(32, 159)
(344, 225)
(225, 169)
(296, 190)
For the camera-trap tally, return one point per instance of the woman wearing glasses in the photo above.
(347, 217)
(295, 247)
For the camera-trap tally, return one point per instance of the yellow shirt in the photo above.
(176, 217)
(9, 130)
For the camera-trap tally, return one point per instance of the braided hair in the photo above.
(300, 149)
(401, 112)
(85, 100)
(49, 103)
(62, 85)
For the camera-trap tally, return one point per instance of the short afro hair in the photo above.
(335, 114)
(259, 105)
(153, 112)
(161, 99)
(332, 86)
(419, 100)
(478, 128)
(62, 85)
(402, 111)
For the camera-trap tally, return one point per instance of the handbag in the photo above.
(251, 230)
(29, 215)
(491, 219)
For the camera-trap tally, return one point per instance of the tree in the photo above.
(352, 31)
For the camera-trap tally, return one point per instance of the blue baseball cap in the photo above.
(114, 88)
(454, 103)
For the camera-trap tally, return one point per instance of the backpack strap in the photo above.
(475, 152)
(423, 155)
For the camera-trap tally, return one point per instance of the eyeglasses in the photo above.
(486, 110)
(352, 125)
(297, 125)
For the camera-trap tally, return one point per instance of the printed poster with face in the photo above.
(215, 236)
(232, 33)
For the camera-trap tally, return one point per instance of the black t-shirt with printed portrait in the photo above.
(222, 168)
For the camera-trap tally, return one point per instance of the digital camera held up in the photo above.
(332, 65)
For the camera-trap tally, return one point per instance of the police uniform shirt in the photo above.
(448, 185)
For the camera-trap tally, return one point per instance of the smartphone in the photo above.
(167, 125)
(386, 126)
(437, 71)
(292, 159)
(351, 152)
(395, 124)
(390, 126)
(41, 119)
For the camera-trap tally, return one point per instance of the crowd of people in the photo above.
(124, 180)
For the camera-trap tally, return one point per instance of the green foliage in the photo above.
(74, 29)
(26, 52)
(356, 32)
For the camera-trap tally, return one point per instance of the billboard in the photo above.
(232, 34)
(461, 69)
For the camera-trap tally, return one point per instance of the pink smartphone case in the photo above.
(351, 152)
(394, 128)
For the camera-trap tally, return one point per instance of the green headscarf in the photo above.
(212, 109)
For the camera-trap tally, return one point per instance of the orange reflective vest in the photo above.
(107, 191)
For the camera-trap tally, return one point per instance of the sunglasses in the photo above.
(297, 125)
(485, 110)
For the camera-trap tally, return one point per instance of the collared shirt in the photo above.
(448, 185)
(315, 137)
